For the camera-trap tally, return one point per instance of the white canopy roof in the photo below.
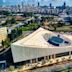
(37, 40)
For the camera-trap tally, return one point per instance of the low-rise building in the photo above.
(3, 34)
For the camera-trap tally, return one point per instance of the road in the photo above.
(7, 56)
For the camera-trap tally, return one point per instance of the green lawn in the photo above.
(31, 26)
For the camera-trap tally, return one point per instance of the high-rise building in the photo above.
(64, 5)
(38, 4)
(50, 5)
(19, 8)
(22, 4)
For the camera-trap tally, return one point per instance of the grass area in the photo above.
(66, 28)
(31, 26)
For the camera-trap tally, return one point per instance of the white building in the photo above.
(41, 44)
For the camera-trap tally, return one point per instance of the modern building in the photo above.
(42, 44)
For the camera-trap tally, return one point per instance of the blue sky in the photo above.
(42, 2)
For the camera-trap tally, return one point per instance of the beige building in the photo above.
(3, 33)
(41, 44)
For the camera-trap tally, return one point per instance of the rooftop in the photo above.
(39, 39)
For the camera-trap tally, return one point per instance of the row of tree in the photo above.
(27, 14)
(11, 21)
(14, 34)
(5, 13)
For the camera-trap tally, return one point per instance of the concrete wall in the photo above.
(21, 53)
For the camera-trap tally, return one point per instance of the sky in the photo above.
(42, 2)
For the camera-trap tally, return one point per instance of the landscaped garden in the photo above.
(32, 26)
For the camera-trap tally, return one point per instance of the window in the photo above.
(33, 60)
(27, 61)
(49, 57)
(46, 57)
(42, 58)
(62, 54)
(71, 52)
(52, 56)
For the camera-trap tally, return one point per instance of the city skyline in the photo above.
(42, 2)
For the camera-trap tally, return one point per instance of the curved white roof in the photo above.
(37, 40)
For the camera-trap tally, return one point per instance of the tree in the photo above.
(6, 43)
(2, 43)
(60, 24)
(7, 22)
(15, 33)
(55, 26)
(5, 13)
(13, 20)
(28, 14)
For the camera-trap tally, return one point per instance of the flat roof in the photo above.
(3, 33)
(37, 40)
